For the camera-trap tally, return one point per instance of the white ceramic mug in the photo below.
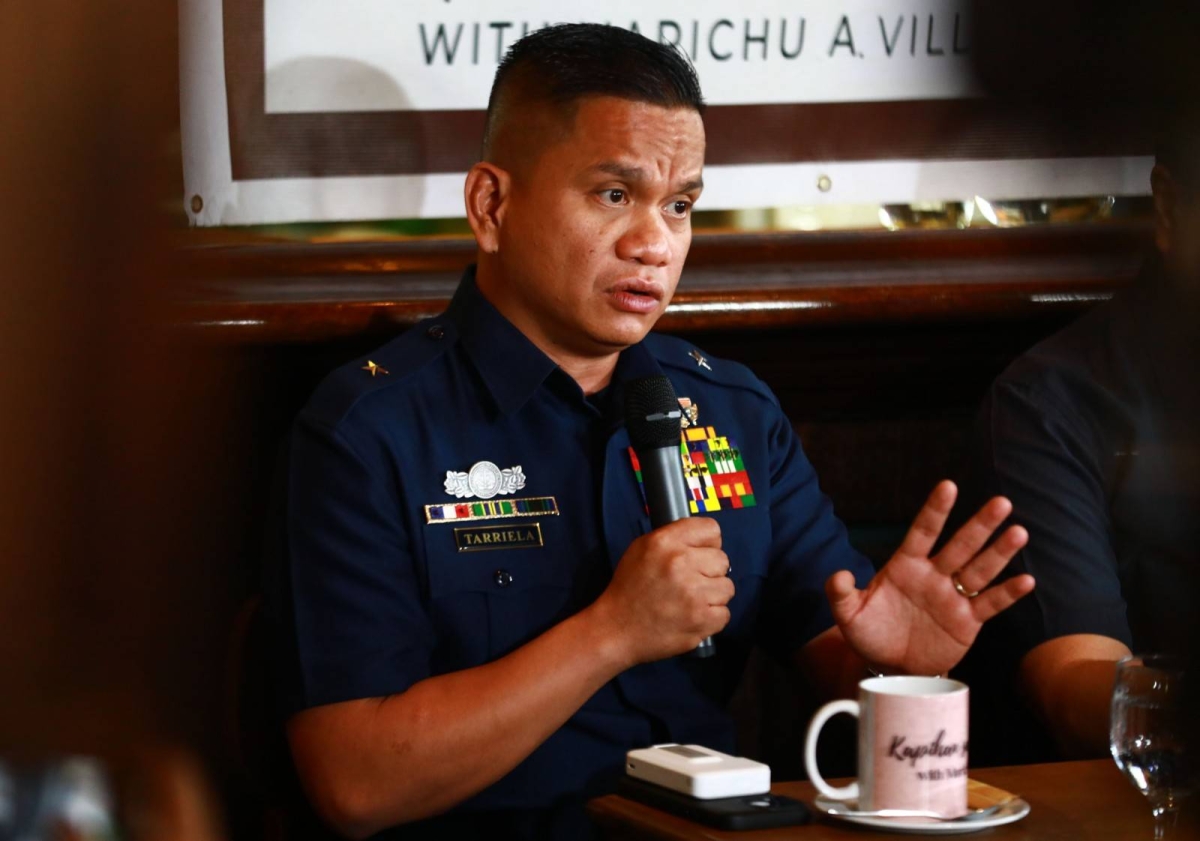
(912, 745)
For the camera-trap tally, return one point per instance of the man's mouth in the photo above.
(636, 295)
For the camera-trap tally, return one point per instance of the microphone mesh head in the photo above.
(652, 413)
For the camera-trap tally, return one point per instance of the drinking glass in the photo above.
(1147, 734)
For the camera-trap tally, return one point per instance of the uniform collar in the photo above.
(512, 367)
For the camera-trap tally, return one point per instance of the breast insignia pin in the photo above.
(375, 368)
(484, 480)
(700, 360)
(691, 413)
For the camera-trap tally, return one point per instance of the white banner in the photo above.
(366, 55)
(320, 110)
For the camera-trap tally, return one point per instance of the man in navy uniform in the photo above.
(479, 618)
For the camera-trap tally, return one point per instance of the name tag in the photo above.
(483, 538)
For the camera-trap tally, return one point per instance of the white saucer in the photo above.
(845, 810)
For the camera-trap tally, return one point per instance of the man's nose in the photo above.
(647, 240)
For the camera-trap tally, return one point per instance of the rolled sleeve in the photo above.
(1049, 460)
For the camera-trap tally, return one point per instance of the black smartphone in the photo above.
(751, 811)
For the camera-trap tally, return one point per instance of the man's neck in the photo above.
(592, 375)
(592, 372)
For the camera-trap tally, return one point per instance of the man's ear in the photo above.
(486, 193)
(1166, 196)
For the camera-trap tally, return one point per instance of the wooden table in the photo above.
(1078, 801)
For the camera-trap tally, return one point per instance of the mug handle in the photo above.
(849, 792)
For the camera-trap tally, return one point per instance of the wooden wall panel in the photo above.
(320, 292)
(879, 345)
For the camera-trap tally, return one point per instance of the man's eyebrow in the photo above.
(634, 174)
(625, 173)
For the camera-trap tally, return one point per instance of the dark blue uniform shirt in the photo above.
(392, 579)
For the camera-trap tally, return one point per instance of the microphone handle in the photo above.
(666, 497)
(666, 493)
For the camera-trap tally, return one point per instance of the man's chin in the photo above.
(629, 331)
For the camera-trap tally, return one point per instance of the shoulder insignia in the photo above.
(387, 367)
(677, 355)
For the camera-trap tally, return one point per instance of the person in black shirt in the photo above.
(1092, 435)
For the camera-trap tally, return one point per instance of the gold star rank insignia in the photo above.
(374, 368)
(700, 360)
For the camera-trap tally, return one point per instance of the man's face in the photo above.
(597, 227)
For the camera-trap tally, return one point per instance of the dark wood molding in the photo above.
(289, 292)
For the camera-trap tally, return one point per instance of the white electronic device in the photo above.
(698, 771)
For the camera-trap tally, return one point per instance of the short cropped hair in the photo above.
(562, 64)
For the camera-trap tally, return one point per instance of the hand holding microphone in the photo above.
(675, 576)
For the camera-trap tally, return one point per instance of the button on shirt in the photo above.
(391, 579)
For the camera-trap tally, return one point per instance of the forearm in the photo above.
(374, 763)
(1079, 716)
(831, 665)
(1069, 682)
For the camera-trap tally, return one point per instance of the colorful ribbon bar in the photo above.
(713, 468)
(492, 509)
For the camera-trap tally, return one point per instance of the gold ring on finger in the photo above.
(962, 591)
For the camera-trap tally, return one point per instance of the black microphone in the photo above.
(652, 416)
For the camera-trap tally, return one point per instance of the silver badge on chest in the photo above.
(484, 480)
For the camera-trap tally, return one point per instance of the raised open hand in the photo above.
(920, 614)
